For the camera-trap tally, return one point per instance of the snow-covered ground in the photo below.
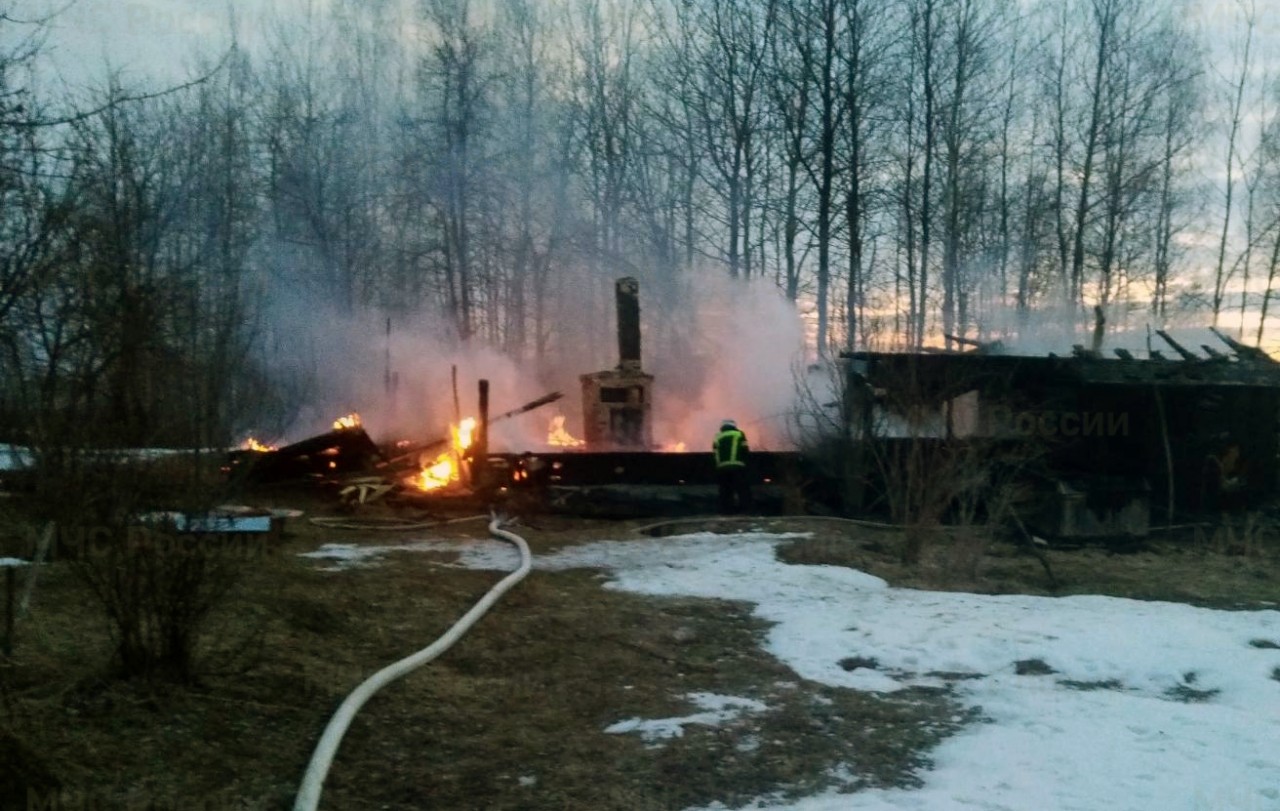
(1184, 710)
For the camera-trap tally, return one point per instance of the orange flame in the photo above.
(446, 468)
(559, 437)
(352, 420)
(252, 444)
(674, 447)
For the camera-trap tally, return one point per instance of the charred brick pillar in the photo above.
(617, 403)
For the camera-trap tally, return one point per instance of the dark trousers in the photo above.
(735, 489)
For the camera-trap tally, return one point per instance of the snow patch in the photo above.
(718, 710)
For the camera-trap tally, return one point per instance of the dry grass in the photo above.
(1212, 568)
(513, 717)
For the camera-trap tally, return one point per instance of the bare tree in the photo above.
(606, 100)
(457, 86)
(920, 123)
(1118, 93)
(33, 215)
(523, 91)
(1180, 100)
(729, 57)
(138, 332)
(1269, 194)
(791, 55)
(1222, 275)
(866, 49)
(968, 101)
(324, 172)
(823, 164)
(1104, 18)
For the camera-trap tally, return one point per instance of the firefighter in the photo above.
(730, 451)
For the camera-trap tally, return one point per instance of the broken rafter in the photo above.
(546, 399)
(1186, 354)
(980, 346)
(415, 450)
(1243, 351)
(1123, 354)
(1213, 353)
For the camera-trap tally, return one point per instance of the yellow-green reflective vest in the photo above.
(729, 447)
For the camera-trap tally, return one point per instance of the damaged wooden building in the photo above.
(1105, 444)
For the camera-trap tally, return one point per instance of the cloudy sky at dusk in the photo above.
(153, 43)
(158, 36)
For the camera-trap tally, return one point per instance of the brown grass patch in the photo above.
(1175, 566)
(513, 717)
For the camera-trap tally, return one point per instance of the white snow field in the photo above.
(1149, 706)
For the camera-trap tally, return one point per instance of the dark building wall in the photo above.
(1209, 429)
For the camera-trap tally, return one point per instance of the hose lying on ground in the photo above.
(372, 524)
(756, 519)
(327, 748)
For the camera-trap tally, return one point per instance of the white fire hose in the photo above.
(322, 758)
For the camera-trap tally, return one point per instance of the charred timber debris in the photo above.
(618, 472)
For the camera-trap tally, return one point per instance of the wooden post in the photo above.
(481, 445)
(457, 408)
(386, 362)
(8, 611)
(42, 551)
(1168, 453)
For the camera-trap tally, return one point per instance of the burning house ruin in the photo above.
(616, 469)
(1115, 440)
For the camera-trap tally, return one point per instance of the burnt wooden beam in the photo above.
(1123, 354)
(1213, 353)
(409, 454)
(1243, 351)
(980, 346)
(480, 445)
(1186, 354)
(546, 399)
(413, 451)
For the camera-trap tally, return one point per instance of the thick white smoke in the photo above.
(718, 349)
(744, 339)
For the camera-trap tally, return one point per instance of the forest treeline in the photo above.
(902, 170)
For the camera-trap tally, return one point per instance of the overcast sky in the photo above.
(159, 36)
(157, 41)
(147, 39)
(151, 43)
